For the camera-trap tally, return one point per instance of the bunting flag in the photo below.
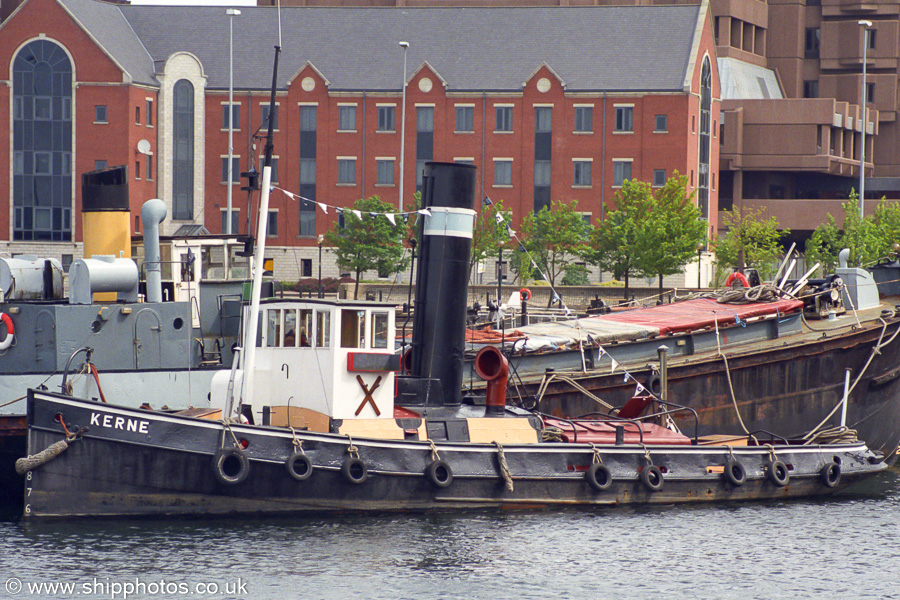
(615, 364)
(391, 218)
(638, 390)
(324, 207)
(424, 211)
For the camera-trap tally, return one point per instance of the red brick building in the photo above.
(549, 103)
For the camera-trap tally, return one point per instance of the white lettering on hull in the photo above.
(102, 420)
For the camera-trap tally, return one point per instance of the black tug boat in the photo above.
(344, 432)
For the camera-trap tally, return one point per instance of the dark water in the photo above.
(844, 547)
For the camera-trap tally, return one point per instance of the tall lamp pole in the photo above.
(699, 264)
(862, 107)
(405, 46)
(231, 12)
(320, 240)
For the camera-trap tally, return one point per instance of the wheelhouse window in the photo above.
(353, 328)
(379, 330)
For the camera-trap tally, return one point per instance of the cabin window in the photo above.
(213, 262)
(290, 328)
(379, 330)
(353, 329)
(238, 266)
(306, 328)
(273, 328)
(323, 329)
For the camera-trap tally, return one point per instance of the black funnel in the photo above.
(442, 277)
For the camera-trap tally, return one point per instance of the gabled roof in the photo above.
(106, 24)
(598, 48)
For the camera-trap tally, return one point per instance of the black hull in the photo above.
(150, 464)
(784, 386)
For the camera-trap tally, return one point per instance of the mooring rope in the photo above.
(876, 349)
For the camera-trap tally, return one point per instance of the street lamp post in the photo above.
(862, 107)
(231, 12)
(405, 46)
(320, 240)
(699, 264)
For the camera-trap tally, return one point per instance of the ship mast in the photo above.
(258, 258)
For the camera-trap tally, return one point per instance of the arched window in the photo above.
(183, 153)
(42, 143)
(705, 122)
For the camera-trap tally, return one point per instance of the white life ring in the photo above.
(10, 331)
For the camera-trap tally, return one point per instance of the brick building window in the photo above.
(582, 171)
(465, 118)
(234, 172)
(659, 177)
(347, 118)
(624, 118)
(271, 225)
(660, 123)
(384, 174)
(347, 171)
(100, 114)
(584, 119)
(621, 172)
(264, 116)
(503, 118)
(502, 172)
(386, 118)
(235, 116)
(149, 113)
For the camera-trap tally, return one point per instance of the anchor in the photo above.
(368, 392)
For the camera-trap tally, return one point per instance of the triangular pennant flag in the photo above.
(499, 217)
(638, 390)
(357, 213)
(615, 364)
(288, 194)
(601, 351)
(324, 207)
(390, 217)
(424, 211)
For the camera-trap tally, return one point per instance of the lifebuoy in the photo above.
(652, 478)
(735, 472)
(739, 276)
(777, 473)
(526, 293)
(230, 466)
(439, 473)
(299, 466)
(598, 477)
(354, 470)
(10, 331)
(831, 474)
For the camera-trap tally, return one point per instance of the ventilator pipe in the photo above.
(492, 366)
(152, 214)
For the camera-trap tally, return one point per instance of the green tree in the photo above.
(824, 245)
(670, 231)
(490, 234)
(615, 241)
(555, 239)
(369, 242)
(750, 241)
(868, 238)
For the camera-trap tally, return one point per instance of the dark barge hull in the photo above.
(139, 463)
(787, 386)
